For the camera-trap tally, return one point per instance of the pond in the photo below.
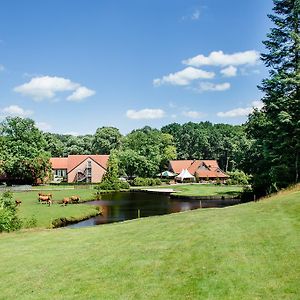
(121, 206)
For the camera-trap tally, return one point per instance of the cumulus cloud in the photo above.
(16, 111)
(193, 114)
(81, 93)
(241, 111)
(146, 113)
(209, 86)
(46, 87)
(229, 71)
(183, 77)
(43, 126)
(218, 58)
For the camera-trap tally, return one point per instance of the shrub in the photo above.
(238, 177)
(139, 181)
(124, 185)
(157, 181)
(112, 185)
(9, 220)
(108, 185)
(165, 180)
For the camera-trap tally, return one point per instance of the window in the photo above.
(61, 172)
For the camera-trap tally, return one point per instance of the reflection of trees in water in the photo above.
(124, 206)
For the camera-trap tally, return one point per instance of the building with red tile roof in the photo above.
(203, 169)
(80, 168)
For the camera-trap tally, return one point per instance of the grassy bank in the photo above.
(250, 251)
(206, 190)
(44, 215)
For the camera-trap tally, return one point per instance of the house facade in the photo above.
(205, 170)
(80, 168)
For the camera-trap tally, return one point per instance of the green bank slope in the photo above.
(249, 251)
(44, 215)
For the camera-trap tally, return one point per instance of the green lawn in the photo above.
(62, 186)
(44, 215)
(206, 190)
(249, 251)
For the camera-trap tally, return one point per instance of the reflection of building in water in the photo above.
(104, 213)
(186, 206)
(178, 206)
(175, 206)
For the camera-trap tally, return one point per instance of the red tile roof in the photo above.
(178, 165)
(72, 161)
(211, 174)
(59, 162)
(212, 169)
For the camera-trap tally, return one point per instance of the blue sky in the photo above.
(74, 66)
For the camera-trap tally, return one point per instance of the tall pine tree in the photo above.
(276, 128)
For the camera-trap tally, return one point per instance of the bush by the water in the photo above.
(113, 185)
(139, 181)
(238, 177)
(9, 220)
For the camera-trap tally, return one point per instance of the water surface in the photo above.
(121, 206)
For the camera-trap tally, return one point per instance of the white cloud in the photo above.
(218, 58)
(183, 77)
(46, 87)
(209, 86)
(193, 114)
(195, 15)
(17, 111)
(81, 93)
(241, 111)
(146, 113)
(43, 126)
(257, 104)
(74, 133)
(229, 71)
(2, 68)
(245, 71)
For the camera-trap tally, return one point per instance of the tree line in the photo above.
(143, 152)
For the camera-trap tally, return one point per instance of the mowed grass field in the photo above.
(249, 251)
(45, 215)
(206, 190)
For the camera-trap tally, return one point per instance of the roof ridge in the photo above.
(87, 156)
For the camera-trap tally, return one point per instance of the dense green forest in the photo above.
(266, 147)
(143, 152)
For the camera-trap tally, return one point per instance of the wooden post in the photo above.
(139, 213)
(200, 204)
